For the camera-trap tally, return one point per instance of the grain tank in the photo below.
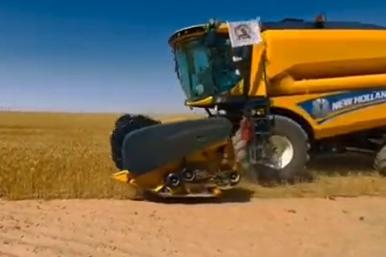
(304, 61)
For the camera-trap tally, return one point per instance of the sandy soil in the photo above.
(291, 227)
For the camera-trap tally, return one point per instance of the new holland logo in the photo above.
(359, 100)
(332, 106)
(320, 108)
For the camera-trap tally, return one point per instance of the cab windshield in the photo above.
(204, 71)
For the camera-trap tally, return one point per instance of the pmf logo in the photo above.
(320, 108)
(243, 31)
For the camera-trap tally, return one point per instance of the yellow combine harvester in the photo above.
(275, 93)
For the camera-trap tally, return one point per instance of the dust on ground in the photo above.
(259, 227)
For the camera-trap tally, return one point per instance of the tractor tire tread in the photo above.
(297, 169)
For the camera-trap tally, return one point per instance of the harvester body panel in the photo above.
(323, 54)
(338, 113)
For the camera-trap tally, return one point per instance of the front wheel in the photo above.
(285, 154)
(289, 150)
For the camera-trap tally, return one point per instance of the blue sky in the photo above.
(113, 56)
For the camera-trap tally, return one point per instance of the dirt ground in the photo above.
(261, 227)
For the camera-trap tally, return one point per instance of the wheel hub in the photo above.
(282, 151)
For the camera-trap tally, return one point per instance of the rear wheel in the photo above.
(380, 161)
(124, 125)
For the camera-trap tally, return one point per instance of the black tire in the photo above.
(380, 161)
(124, 125)
(296, 169)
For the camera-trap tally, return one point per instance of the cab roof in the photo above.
(288, 23)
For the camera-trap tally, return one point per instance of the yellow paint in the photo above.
(287, 86)
(201, 103)
(238, 89)
(257, 79)
(306, 64)
(216, 192)
(155, 178)
(310, 54)
(159, 188)
(122, 176)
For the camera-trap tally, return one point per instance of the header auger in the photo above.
(275, 93)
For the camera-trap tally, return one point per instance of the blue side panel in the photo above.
(328, 107)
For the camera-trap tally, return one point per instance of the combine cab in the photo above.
(275, 93)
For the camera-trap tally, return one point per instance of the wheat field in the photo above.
(61, 155)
